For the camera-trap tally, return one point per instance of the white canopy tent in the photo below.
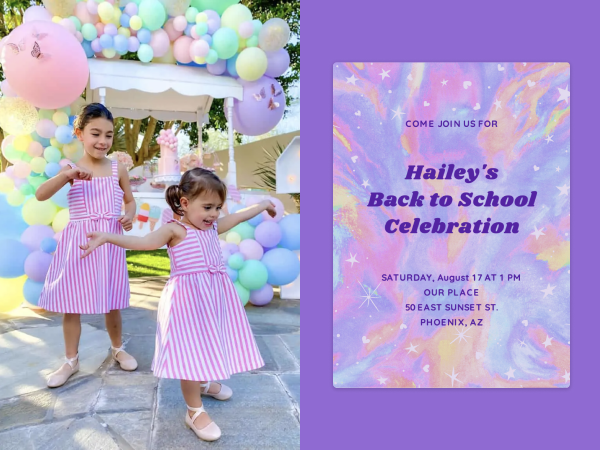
(134, 90)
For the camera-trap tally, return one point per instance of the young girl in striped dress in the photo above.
(100, 284)
(203, 333)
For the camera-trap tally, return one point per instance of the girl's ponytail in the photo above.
(173, 197)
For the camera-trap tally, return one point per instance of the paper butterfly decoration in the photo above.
(37, 52)
(260, 96)
(273, 91)
(273, 104)
(17, 48)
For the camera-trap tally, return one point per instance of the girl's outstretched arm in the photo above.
(228, 222)
(168, 234)
(54, 184)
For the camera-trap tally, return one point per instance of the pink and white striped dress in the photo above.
(98, 283)
(203, 333)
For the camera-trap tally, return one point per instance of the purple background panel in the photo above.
(436, 32)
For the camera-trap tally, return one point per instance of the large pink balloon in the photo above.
(181, 49)
(252, 117)
(160, 42)
(169, 27)
(59, 73)
(36, 13)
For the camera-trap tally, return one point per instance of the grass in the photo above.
(154, 263)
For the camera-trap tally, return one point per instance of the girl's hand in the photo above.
(96, 239)
(269, 207)
(126, 222)
(78, 173)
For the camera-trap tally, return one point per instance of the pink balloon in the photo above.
(171, 31)
(45, 128)
(160, 42)
(34, 13)
(64, 162)
(7, 91)
(251, 249)
(79, 36)
(194, 34)
(181, 49)
(35, 149)
(278, 208)
(68, 25)
(199, 48)
(246, 29)
(7, 141)
(100, 28)
(92, 7)
(84, 15)
(180, 23)
(22, 169)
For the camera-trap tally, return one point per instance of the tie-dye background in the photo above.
(525, 343)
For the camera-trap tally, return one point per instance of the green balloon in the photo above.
(242, 292)
(27, 189)
(76, 21)
(12, 154)
(226, 42)
(190, 15)
(52, 154)
(36, 182)
(216, 5)
(236, 261)
(252, 41)
(48, 113)
(253, 275)
(245, 230)
(153, 14)
(145, 53)
(89, 32)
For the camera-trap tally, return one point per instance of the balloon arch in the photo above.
(70, 46)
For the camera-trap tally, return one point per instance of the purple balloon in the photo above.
(33, 236)
(231, 248)
(251, 249)
(36, 266)
(214, 20)
(262, 296)
(225, 254)
(268, 234)
(278, 63)
(96, 45)
(253, 118)
(133, 44)
(217, 68)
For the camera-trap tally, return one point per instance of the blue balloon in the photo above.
(61, 197)
(231, 66)
(36, 137)
(207, 38)
(64, 133)
(233, 274)
(12, 224)
(191, 64)
(282, 265)
(72, 120)
(144, 36)
(124, 20)
(106, 41)
(13, 254)
(290, 232)
(256, 220)
(32, 291)
(121, 43)
(52, 169)
(87, 48)
(48, 245)
(188, 29)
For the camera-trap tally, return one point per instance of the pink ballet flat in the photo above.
(210, 432)
(224, 393)
(60, 376)
(125, 360)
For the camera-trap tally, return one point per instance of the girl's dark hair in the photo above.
(90, 112)
(193, 183)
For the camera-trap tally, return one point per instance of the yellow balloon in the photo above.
(6, 184)
(199, 59)
(12, 293)
(167, 58)
(109, 52)
(60, 118)
(124, 32)
(60, 220)
(56, 19)
(116, 16)
(17, 116)
(22, 142)
(201, 17)
(73, 151)
(105, 11)
(15, 198)
(234, 15)
(38, 213)
(251, 64)
(233, 238)
(135, 23)
(38, 164)
(241, 44)
(77, 105)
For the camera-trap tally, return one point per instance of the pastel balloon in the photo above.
(176, 7)
(279, 208)
(274, 34)
(225, 43)
(251, 64)
(12, 293)
(171, 31)
(236, 261)
(36, 13)
(152, 13)
(7, 91)
(131, 9)
(17, 115)
(30, 77)
(253, 275)
(133, 44)
(22, 169)
(216, 5)
(12, 258)
(268, 234)
(145, 53)
(36, 265)
(35, 149)
(160, 42)
(60, 220)
(235, 15)
(217, 68)
(68, 25)
(199, 49)
(180, 23)
(278, 63)
(48, 245)
(33, 236)
(144, 36)
(246, 29)
(251, 249)
(167, 58)
(262, 296)
(254, 118)
(32, 290)
(61, 8)
(181, 49)
(243, 293)
(91, 7)
(95, 45)
(61, 199)
(111, 29)
(283, 266)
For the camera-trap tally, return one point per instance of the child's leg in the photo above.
(113, 326)
(72, 333)
(191, 394)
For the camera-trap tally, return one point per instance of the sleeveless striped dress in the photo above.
(98, 283)
(203, 333)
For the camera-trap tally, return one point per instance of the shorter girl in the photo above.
(203, 332)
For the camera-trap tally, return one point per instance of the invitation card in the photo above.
(451, 225)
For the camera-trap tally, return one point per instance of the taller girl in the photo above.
(100, 284)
